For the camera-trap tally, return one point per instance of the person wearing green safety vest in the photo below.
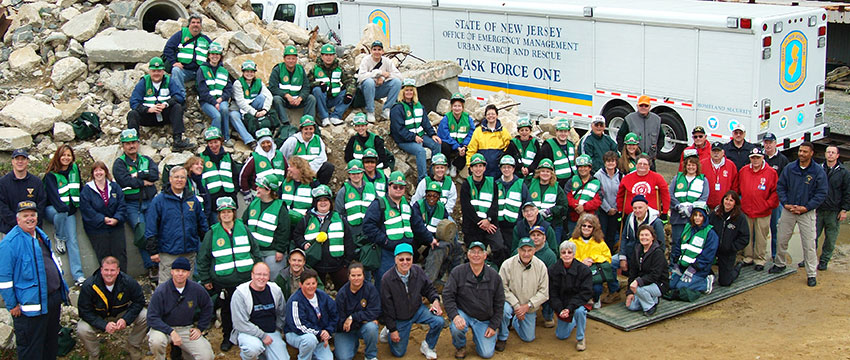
(692, 257)
(331, 87)
(268, 221)
(289, 85)
(225, 259)
(252, 102)
(265, 160)
(364, 139)
(309, 146)
(215, 89)
(372, 174)
(550, 198)
(325, 238)
(410, 128)
(456, 130)
(439, 169)
(479, 205)
(583, 192)
(220, 173)
(561, 151)
(136, 174)
(631, 150)
(686, 188)
(511, 192)
(445, 252)
(389, 222)
(525, 147)
(62, 186)
(186, 50)
(296, 189)
(156, 101)
(353, 198)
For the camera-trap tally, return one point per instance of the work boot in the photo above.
(460, 353)
(776, 269)
(180, 144)
(801, 263)
(501, 344)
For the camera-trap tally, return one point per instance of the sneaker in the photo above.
(580, 345)
(326, 122)
(427, 351)
(548, 323)
(182, 144)
(758, 267)
(336, 121)
(229, 143)
(226, 345)
(385, 114)
(709, 283)
(812, 281)
(79, 281)
(60, 246)
(651, 310)
(822, 266)
(801, 264)
(370, 117)
(500, 345)
(597, 305)
(153, 275)
(384, 337)
(776, 269)
(453, 171)
(738, 267)
(460, 353)
(611, 298)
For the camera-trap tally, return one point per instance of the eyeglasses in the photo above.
(397, 187)
(408, 259)
(586, 226)
(698, 136)
(643, 105)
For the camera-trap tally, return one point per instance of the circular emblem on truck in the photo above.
(712, 123)
(792, 61)
(783, 122)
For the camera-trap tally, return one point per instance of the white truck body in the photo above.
(305, 13)
(703, 63)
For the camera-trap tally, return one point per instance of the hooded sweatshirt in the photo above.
(248, 174)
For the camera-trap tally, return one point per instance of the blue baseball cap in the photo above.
(403, 248)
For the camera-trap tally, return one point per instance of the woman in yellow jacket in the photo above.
(593, 252)
(490, 139)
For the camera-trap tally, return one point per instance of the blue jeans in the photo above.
(135, 216)
(179, 76)
(252, 347)
(418, 150)
(645, 297)
(547, 311)
(348, 342)
(484, 346)
(324, 104)
(564, 328)
(422, 316)
(236, 119)
(677, 232)
(387, 263)
(309, 347)
(610, 227)
(388, 89)
(524, 328)
(697, 283)
(216, 115)
(774, 221)
(559, 234)
(66, 229)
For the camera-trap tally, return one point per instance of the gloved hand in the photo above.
(689, 274)
(675, 270)
(546, 212)
(689, 208)
(248, 196)
(347, 99)
(682, 209)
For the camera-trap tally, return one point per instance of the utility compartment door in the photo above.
(671, 63)
(619, 57)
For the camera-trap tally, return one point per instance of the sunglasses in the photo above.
(407, 259)
(643, 105)
(587, 226)
(698, 136)
(397, 187)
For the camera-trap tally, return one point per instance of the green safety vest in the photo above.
(69, 187)
(692, 244)
(380, 183)
(188, 50)
(688, 192)
(231, 252)
(153, 95)
(584, 192)
(143, 164)
(218, 177)
(251, 92)
(309, 151)
(357, 203)
(528, 153)
(334, 82)
(336, 233)
(483, 198)
(191, 188)
(397, 223)
(435, 218)
(264, 167)
(262, 224)
(545, 199)
(564, 166)
(445, 189)
(291, 83)
(216, 80)
(458, 129)
(299, 198)
(413, 118)
(510, 200)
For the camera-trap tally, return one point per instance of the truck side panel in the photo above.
(619, 57)
(725, 70)
(670, 65)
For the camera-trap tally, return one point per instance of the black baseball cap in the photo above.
(20, 152)
(698, 129)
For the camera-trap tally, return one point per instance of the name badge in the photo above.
(550, 198)
(717, 187)
(761, 187)
(314, 150)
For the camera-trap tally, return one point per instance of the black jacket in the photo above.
(363, 306)
(327, 263)
(470, 218)
(398, 304)
(569, 288)
(778, 162)
(838, 197)
(96, 302)
(483, 300)
(123, 178)
(170, 308)
(733, 234)
(648, 268)
(739, 155)
(13, 191)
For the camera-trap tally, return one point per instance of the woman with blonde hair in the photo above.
(62, 186)
(411, 130)
(631, 151)
(592, 251)
(295, 189)
(104, 212)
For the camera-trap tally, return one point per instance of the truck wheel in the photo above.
(675, 136)
(615, 116)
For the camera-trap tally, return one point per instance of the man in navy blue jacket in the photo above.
(172, 311)
(802, 188)
(157, 100)
(19, 185)
(359, 306)
(175, 224)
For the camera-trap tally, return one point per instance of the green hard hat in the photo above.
(584, 160)
(271, 182)
(523, 122)
(212, 133)
(156, 64)
(434, 186)
(359, 119)
(477, 159)
(546, 163)
(370, 153)
(307, 120)
(408, 82)
(397, 178)
(320, 191)
(562, 124)
(225, 203)
(355, 166)
(249, 65)
(507, 160)
(458, 96)
(328, 49)
(632, 139)
(263, 133)
(129, 135)
(215, 48)
(439, 159)
(290, 50)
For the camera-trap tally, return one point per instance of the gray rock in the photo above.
(84, 26)
(24, 59)
(22, 36)
(107, 154)
(444, 106)
(296, 33)
(14, 138)
(121, 83)
(68, 14)
(245, 42)
(62, 132)
(166, 28)
(125, 8)
(30, 115)
(128, 46)
(221, 16)
(55, 38)
(244, 17)
(76, 48)
(4, 54)
(7, 336)
(67, 70)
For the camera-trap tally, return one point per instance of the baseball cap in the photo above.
(377, 43)
(526, 241)
(403, 248)
(643, 100)
(20, 152)
(355, 166)
(717, 146)
(537, 228)
(739, 126)
(698, 129)
(597, 119)
(477, 244)
(182, 264)
(528, 203)
(769, 137)
(27, 205)
(756, 151)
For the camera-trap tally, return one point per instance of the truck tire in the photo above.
(615, 117)
(673, 128)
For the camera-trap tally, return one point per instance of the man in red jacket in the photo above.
(720, 173)
(758, 182)
(701, 145)
(644, 182)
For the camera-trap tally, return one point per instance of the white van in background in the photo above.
(305, 13)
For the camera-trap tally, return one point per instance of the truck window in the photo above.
(322, 9)
(285, 12)
(258, 9)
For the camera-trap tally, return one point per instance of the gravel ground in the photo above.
(837, 111)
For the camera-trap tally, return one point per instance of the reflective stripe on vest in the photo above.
(380, 183)
(528, 153)
(218, 177)
(229, 255)
(336, 234)
(397, 223)
(309, 151)
(481, 198)
(262, 224)
(69, 188)
(688, 191)
(251, 92)
(264, 167)
(153, 95)
(216, 80)
(413, 118)
(196, 49)
(435, 218)
(297, 197)
(545, 199)
(458, 128)
(564, 165)
(510, 200)
(357, 203)
(143, 163)
(584, 192)
(334, 82)
(291, 83)
(692, 244)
